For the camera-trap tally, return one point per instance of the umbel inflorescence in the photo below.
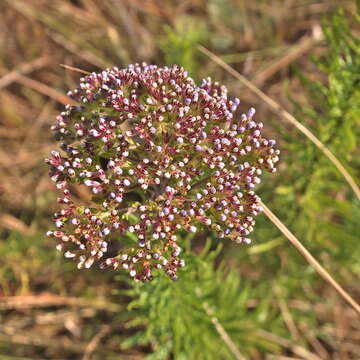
(160, 155)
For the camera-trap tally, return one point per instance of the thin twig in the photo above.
(279, 110)
(298, 50)
(44, 89)
(287, 315)
(75, 69)
(50, 300)
(296, 349)
(280, 357)
(220, 329)
(223, 334)
(9, 221)
(310, 259)
(79, 52)
(91, 346)
(314, 341)
(24, 69)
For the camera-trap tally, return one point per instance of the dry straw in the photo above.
(309, 258)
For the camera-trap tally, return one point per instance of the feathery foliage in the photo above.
(177, 316)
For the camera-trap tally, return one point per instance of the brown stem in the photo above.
(309, 258)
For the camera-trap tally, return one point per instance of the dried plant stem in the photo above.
(310, 259)
(296, 349)
(68, 67)
(44, 89)
(9, 221)
(90, 348)
(25, 69)
(219, 328)
(50, 300)
(303, 46)
(287, 315)
(222, 332)
(74, 48)
(286, 115)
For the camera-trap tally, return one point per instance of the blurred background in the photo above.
(305, 54)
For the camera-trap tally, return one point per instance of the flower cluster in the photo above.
(160, 155)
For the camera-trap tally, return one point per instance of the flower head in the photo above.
(160, 154)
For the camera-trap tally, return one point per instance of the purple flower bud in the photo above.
(184, 153)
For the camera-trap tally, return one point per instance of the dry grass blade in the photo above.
(75, 69)
(286, 115)
(91, 346)
(10, 222)
(286, 315)
(277, 357)
(225, 337)
(223, 334)
(298, 50)
(50, 300)
(296, 349)
(25, 69)
(44, 89)
(76, 50)
(310, 259)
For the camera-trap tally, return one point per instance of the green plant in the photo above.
(192, 317)
(179, 43)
